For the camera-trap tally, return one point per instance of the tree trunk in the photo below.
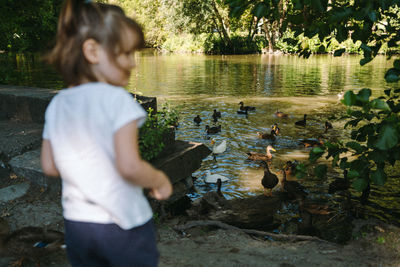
(221, 21)
(269, 35)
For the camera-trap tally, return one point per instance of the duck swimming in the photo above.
(269, 180)
(213, 130)
(243, 112)
(312, 143)
(280, 114)
(267, 136)
(216, 114)
(261, 156)
(218, 149)
(328, 126)
(302, 122)
(243, 107)
(213, 178)
(197, 119)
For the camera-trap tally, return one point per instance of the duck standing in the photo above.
(293, 188)
(269, 180)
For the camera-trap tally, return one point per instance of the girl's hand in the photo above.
(163, 191)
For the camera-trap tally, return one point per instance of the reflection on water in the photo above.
(197, 84)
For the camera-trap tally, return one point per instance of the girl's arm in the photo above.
(133, 168)
(47, 160)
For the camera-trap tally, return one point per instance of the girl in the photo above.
(90, 140)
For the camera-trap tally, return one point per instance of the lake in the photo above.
(198, 84)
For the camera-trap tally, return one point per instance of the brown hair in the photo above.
(81, 20)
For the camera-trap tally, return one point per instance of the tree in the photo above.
(28, 25)
(271, 14)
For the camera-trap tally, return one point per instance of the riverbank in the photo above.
(374, 243)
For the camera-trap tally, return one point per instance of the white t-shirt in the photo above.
(80, 123)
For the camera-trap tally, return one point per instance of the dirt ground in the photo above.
(375, 243)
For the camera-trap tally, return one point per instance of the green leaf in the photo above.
(379, 104)
(356, 146)
(316, 153)
(372, 15)
(378, 177)
(349, 98)
(365, 60)
(300, 170)
(320, 170)
(260, 10)
(392, 75)
(352, 174)
(387, 138)
(396, 64)
(339, 52)
(364, 95)
(360, 184)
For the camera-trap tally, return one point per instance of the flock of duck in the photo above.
(269, 180)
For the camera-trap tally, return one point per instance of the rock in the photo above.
(13, 192)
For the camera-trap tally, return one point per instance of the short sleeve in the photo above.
(127, 110)
(47, 115)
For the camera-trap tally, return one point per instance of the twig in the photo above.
(222, 225)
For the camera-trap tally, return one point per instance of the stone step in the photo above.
(178, 163)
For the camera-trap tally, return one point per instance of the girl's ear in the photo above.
(90, 51)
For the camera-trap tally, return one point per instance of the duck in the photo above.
(271, 136)
(29, 243)
(218, 149)
(281, 114)
(243, 112)
(261, 156)
(293, 188)
(197, 119)
(213, 178)
(276, 128)
(328, 126)
(302, 122)
(216, 114)
(269, 180)
(290, 167)
(213, 129)
(312, 143)
(243, 107)
(339, 184)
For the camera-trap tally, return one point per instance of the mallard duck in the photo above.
(261, 156)
(197, 119)
(293, 188)
(269, 179)
(213, 178)
(243, 107)
(328, 126)
(29, 243)
(213, 130)
(243, 112)
(276, 128)
(281, 114)
(218, 149)
(339, 184)
(312, 143)
(271, 136)
(302, 122)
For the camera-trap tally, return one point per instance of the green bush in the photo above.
(152, 132)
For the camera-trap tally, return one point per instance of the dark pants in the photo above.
(98, 245)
